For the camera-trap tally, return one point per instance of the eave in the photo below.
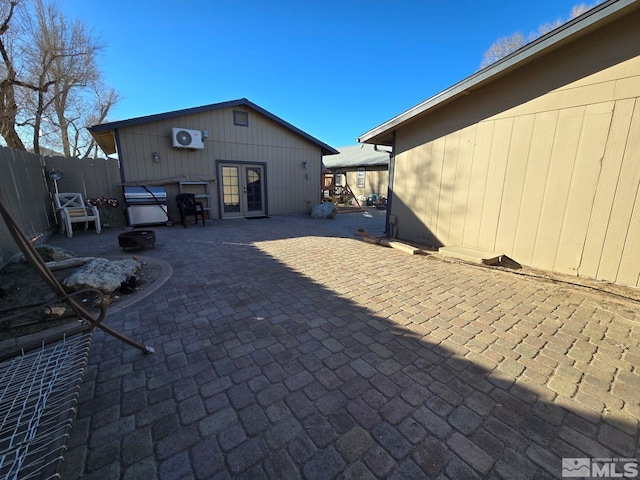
(578, 27)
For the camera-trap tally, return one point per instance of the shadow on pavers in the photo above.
(290, 354)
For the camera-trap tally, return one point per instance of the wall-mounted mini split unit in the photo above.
(185, 138)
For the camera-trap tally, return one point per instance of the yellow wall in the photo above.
(290, 187)
(542, 165)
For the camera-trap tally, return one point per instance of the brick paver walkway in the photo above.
(288, 348)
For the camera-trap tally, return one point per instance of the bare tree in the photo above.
(63, 59)
(81, 142)
(58, 89)
(506, 45)
(544, 29)
(502, 47)
(8, 102)
(578, 10)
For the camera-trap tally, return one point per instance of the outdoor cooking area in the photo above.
(146, 205)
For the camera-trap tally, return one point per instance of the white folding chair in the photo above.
(72, 209)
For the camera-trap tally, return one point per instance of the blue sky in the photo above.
(335, 69)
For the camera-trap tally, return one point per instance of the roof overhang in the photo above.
(106, 140)
(591, 20)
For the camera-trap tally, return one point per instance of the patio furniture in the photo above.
(188, 206)
(39, 390)
(72, 209)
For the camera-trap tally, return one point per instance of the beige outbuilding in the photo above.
(238, 158)
(536, 156)
(363, 168)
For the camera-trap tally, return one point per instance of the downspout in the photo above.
(375, 147)
(116, 134)
(387, 226)
(119, 151)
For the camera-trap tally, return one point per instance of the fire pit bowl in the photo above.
(137, 239)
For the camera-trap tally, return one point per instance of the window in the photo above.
(230, 189)
(240, 119)
(361, 177)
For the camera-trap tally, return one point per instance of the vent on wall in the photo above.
(185, 138)
(240, 119)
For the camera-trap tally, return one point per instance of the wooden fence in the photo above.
(27, 191)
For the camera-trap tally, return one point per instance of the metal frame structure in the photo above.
(38, 396)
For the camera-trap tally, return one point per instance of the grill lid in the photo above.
(145, 193)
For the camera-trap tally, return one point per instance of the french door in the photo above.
(242, 190)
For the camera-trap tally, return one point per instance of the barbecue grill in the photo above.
(146, 206)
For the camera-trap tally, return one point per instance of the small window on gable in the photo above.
(360, 178)
(240, 119)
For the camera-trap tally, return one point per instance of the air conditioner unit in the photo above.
(185, 138)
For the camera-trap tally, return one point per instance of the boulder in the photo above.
(324, 210)
(102, 274)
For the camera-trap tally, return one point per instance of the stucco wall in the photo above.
(291, 187)
(541, 165)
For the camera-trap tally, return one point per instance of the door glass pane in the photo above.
(254, 189)
(230, 190)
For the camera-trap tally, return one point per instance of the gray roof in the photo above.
(598, 16)
(104, 132)
(362, 155)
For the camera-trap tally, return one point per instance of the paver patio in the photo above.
(288, 348)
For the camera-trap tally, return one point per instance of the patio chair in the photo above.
(72, 209)
(188, 206)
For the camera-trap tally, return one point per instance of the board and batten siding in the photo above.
(290, 187)
(551, 181)
(376, 180)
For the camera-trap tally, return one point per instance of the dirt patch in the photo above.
(28, 304)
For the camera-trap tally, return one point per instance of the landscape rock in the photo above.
(324, 210)
(53, 254)
(102, 274)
